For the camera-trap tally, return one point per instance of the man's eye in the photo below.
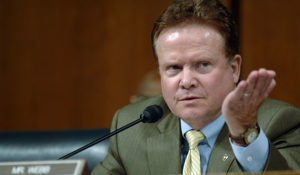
(172, 70)
(174, 67)
(204, 67)
(204, 64)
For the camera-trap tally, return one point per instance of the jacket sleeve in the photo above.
(283, 132)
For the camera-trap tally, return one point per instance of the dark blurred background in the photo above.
(70, 64)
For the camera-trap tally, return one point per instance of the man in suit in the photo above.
(196, 46)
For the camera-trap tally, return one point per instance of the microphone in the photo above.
(150, 115)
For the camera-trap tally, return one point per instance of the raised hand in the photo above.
(240, 107)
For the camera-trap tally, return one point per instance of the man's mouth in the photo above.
(189, 98)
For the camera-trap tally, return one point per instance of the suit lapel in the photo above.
(164, 147)
(222, 155)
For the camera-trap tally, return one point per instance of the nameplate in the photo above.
(51, 167)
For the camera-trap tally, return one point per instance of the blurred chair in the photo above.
(51, 145)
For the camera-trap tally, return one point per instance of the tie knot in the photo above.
(194, 137)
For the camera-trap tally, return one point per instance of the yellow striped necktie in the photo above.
(192, 161)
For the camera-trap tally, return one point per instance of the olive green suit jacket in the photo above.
(155, 148)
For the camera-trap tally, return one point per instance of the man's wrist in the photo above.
(247, 137)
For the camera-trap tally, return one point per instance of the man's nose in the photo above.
(188, 79)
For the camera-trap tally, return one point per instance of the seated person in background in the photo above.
(212, 123)
(149, 87)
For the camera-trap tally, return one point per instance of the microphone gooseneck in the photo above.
(150, 115)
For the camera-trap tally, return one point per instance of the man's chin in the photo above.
(192, 115)
(197, 118)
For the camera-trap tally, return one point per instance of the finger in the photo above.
(270, 82)
(270, 88)
(240, 89)
(263, 81)
(251, 80)
(269, 78)
(271, 73)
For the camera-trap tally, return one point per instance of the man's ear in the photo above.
(235, 65)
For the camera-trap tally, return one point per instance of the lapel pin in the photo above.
(225, 157)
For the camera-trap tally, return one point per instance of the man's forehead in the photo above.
(173, 36)
(200, 32)
(172, 32)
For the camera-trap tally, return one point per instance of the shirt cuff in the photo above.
(253, 157)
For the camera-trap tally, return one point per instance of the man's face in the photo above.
(195, 74)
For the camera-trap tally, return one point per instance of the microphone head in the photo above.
(151, 114)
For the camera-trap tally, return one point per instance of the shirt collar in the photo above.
(211, 130)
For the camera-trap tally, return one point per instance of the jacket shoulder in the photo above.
(276, 116)
(271, 104)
